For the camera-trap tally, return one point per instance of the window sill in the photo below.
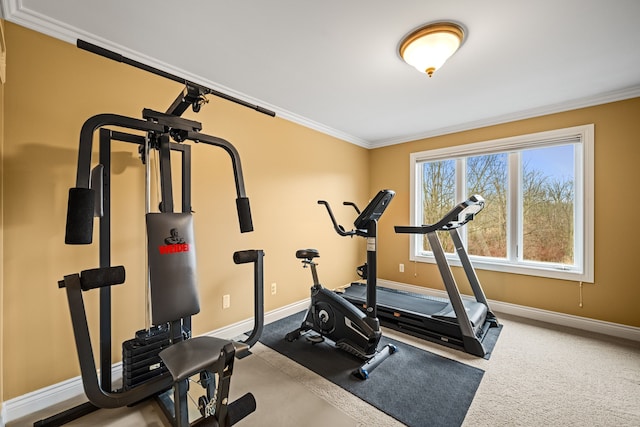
(549, 271)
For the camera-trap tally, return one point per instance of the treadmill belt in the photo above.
(398, 300)
(430, 318)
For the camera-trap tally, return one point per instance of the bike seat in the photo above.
(307, 253)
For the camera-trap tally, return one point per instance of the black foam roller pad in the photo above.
(240, 408)
(80, 210)
(100, 277)
(243, 257)
(244, 214)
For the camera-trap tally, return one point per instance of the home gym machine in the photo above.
(160, 361)
(335, 318)
(455, 322)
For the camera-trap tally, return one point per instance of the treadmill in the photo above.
(455, 322)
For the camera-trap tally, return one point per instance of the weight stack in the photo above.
(140, 360)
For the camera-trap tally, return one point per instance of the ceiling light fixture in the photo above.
(428, 47)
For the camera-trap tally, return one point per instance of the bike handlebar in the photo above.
(339, 229)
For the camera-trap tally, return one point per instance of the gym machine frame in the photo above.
(95, 183)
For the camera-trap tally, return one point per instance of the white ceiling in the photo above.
(333, 65)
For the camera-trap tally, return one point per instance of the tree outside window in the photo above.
(535, 201)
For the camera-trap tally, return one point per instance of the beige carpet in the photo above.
(558, 377)
(538, 375)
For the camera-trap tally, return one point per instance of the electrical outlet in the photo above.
(226, 301)
(401, 267)
(274, 288)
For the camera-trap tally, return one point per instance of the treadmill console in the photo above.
(457, 217)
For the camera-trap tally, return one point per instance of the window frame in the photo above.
(582, 136)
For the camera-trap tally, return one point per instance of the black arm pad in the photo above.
(100, 277)
(80, 210)
(244, 214)
(243, 257)
(240, 408)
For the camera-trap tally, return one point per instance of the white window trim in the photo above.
(584, 254)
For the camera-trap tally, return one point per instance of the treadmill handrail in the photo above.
(457, 217)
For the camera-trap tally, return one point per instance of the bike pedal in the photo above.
(316, 339)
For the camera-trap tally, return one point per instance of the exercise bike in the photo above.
(333, 317)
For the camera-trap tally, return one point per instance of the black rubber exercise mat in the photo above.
(416, 387)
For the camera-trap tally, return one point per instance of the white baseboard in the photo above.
(38, 400)
(239, 328)
(43, 398)
(577, 322)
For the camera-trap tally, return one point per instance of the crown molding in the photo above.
(14, 11)
(590, 101)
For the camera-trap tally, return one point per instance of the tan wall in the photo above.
(52, 89)
(1, 236)
(614, 296)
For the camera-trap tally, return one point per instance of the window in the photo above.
(538, 191)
